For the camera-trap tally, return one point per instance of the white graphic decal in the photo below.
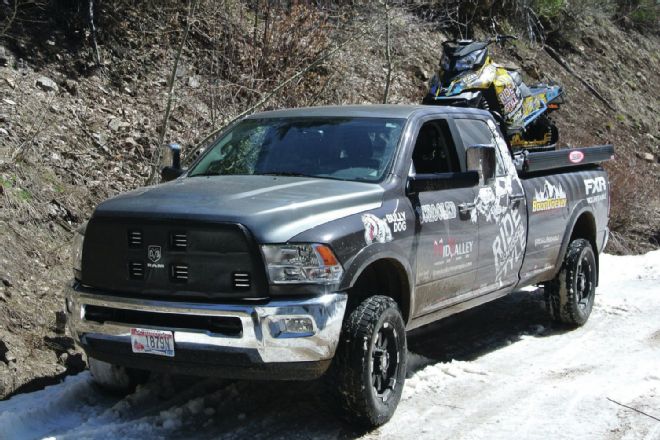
(397, 219)
(492, 203)
(375, 229)
(576, 156)
(549, 197)
(452, 249)
(546, 241)
(596, 189)
(438, 211)
(509, 245)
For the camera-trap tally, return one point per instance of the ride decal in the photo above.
(596, 189)
(509, 245)
(549, 198)
(438, 211)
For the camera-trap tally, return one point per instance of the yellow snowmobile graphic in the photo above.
(468, 77)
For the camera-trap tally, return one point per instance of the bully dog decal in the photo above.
(376, 230)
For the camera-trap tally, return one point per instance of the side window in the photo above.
(477, 132)
(435, 151)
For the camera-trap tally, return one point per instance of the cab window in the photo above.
(435, 151)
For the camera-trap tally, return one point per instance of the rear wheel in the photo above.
(369, 368)
(115, 378)
(570, 296)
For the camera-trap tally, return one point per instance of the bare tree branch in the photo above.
(170, 95)
(388, 53)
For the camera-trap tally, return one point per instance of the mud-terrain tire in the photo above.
(570, 296)
(369, 368)
(116, 379)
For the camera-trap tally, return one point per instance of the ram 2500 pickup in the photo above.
(305, 243)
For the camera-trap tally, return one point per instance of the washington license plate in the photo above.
(149, 341)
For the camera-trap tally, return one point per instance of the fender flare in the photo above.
(582, 207)
(375, 252)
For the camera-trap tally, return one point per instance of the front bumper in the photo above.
(263, 349)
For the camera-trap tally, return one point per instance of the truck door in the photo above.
(447, 241)
(500, 211)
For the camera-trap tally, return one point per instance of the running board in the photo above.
(529, 162)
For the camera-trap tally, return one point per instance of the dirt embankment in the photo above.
(73, 132)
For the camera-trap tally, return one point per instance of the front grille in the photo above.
(134, 238)
(241, 280)
(179, 273)
(136, 270)
(226, 325)
(179, 241)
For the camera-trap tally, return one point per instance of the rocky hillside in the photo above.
(82, 109)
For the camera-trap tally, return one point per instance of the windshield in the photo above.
(336, 148)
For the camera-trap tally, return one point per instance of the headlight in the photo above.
(301, 263)
(77, 249)
(468, 61)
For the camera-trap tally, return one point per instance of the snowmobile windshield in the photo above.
(469, 61)
(359, 149)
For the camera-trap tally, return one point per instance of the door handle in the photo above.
(516, 198)
(465, 208)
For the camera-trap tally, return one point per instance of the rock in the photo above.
(117, 124)
(647, 157)
(3, 132)
(10, 82)
(4, 117)
(181, 70)
(71, 86)
(6, 282)
(4, 56)
(193, 81)
(4, 350)
(60, 322)
(46, 84)
(421, 73)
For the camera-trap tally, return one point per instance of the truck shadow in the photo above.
(301, 410)
(470, 334)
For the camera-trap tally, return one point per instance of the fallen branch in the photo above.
(563, 63)
(634, 409)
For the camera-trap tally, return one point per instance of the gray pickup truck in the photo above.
(305, 243)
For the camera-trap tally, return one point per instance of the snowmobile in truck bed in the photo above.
(468, 77)
(306, 243)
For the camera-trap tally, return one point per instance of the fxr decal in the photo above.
(375, 229)
(596, 189)
(438, 211)
(549, 197)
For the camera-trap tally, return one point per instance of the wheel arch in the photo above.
(582, 225)
(381, 272)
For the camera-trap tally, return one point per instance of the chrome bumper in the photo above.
(262, 329)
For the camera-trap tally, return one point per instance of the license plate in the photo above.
(158, 342)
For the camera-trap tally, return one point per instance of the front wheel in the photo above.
(369, 368)
(114, 378)
(570, 296)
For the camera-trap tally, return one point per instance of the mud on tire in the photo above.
(369, 368)
(570, 296)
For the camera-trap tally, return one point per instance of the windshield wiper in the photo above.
(286, 173)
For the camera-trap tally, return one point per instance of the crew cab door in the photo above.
(446, 255)
(500, 211)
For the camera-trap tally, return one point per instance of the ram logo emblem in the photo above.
(154, 253)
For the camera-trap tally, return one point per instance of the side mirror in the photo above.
(481, 158)
(440, 181)
(172, 172)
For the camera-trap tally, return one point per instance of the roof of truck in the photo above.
(369, 110)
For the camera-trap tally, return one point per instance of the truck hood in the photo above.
(274, 208)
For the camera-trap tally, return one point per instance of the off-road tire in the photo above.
(116, 379)
(570, 295)
(359, 357)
